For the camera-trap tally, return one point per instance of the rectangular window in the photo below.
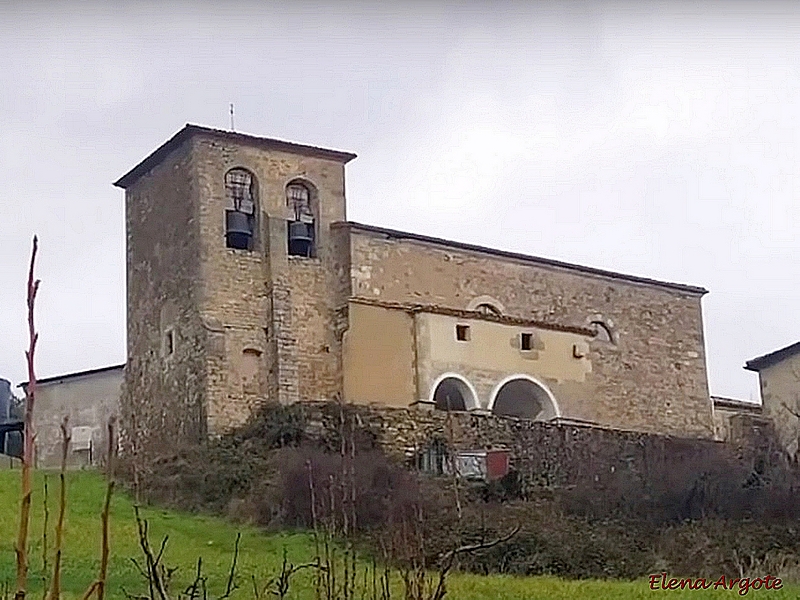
(462, 333)
(81, 438)
(526, 341)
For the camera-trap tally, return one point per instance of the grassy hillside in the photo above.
(192, 536)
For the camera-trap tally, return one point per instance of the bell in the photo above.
(238, 229)
(300, 238)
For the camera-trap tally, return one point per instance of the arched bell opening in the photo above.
(302, 224)
(240, 214)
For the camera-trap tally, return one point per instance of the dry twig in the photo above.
(46, 510)
(21, 548)
(111, 453)
(99, 585)
(447, 561)
(279, 586)
(55, 586)
(158, 576)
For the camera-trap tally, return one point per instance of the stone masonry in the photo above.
(545, 454)
(215, 331)
(653, 378)
(243, 325)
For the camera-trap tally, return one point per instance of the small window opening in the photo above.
(241, 211)
(169, 343)
(601, 332)
(488, 309)
(526, 341)
(302, 224)
(462, 333)
(433, 459)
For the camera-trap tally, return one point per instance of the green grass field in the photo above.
(192, 536)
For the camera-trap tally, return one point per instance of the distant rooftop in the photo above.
(75, 375)
(190, 130)
(736, 404)
(767, 360)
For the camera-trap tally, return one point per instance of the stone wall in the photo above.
(545, 454)
(650, 377)
(165, 388)
(89, 400)
(780, 396)
(313, 318)
(726, 413)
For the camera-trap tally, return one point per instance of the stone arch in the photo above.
(478, 301)
(241, 190)
(604, 329)
(602, 332)
(524, 397)
(302, 204)
(454, 390)
(241, 197)
(313, 193)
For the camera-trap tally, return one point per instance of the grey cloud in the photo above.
(656, 139)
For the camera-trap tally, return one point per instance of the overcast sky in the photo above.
(657, 140)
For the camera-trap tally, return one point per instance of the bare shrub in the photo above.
(383, 490)
(690, 482)
(158, 576)
(687, 507)
(272, 426)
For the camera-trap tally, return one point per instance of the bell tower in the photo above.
(233, 281)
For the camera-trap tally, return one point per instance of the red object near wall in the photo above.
(497, 464)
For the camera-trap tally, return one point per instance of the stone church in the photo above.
(246, 283)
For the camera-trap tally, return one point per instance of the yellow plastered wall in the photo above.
(379, 356)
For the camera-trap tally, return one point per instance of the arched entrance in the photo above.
(524, 398)
(453, 392)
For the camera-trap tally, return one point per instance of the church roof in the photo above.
(549, 262)
(190, 130)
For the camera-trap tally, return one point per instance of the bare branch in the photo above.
(447, 560)
(152, 572)
(46, 509)
(139, 568)
(21, 548)
(790, 410)
(111, 453)
(231, 585)
(92, 588)
(99, 585)
(55, 586)
(193, 590)
(485, 545)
